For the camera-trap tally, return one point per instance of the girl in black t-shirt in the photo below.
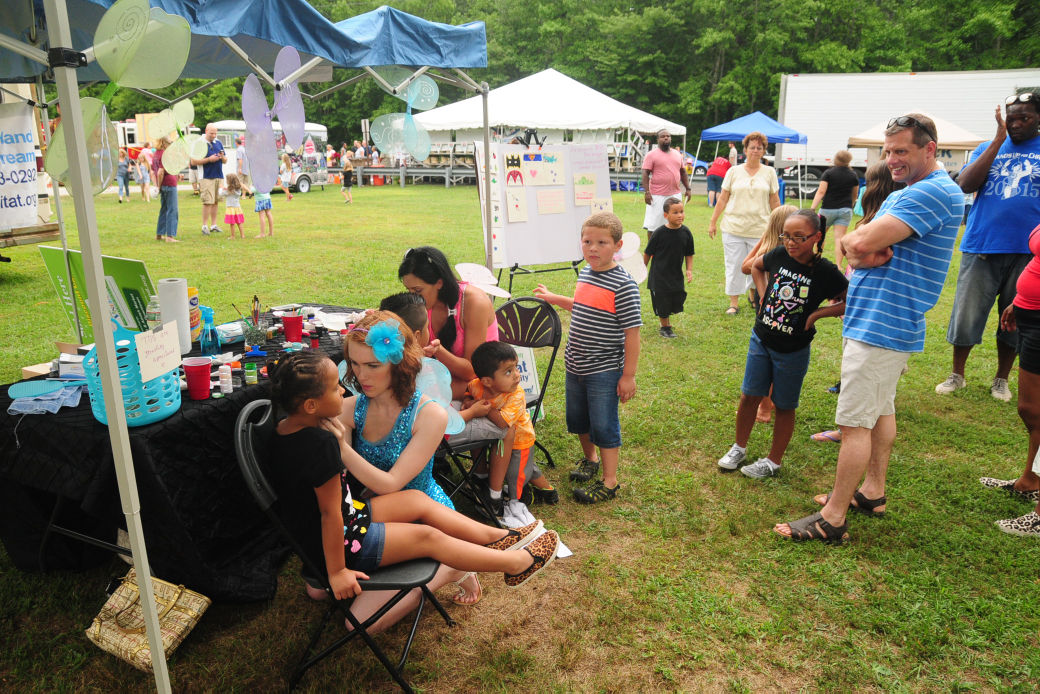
(355, 536)
(799, 279)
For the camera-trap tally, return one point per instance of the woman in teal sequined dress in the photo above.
(395, 427)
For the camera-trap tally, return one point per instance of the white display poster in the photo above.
(17, 166)
(547, 194)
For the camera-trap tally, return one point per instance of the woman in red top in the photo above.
(1024, 314)
(166, 225)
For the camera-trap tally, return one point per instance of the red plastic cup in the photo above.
(293, 328)
(196, 372)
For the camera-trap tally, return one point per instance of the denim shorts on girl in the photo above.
(592, 407)
(784, 371)
(371, 554)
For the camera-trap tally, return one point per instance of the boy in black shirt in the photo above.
(668, 246)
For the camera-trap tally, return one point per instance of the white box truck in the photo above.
(831, 108)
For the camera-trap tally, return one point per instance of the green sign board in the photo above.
(127, 288)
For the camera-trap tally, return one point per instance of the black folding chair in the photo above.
(532, 322)
(253, 432)
(524, 322)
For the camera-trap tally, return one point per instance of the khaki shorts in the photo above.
(869, 376)
(209, 189)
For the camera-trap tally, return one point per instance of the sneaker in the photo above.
(595, 493)
(1024, 526)
(543, 550)
(761, 469)
(1000, 389)
(836, 388)
(670, 332)
(587, 469)
(545, 496)
(497, 505)
(205, 230)
(954, 382)
(215, 230)
(517, 537)
(733, 458)
(663, 332)
(1009, 487)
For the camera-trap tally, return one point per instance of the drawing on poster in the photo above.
(543, 168)
(601, 205)
(584, 188)
(514, 176)
(516, 204)
(551, 202)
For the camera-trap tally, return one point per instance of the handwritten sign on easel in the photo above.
(158, 351)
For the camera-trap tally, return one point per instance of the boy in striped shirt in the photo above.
(601, 355)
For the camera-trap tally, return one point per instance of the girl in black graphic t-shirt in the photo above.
(793, 280)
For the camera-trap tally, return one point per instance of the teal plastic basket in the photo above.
(144, 403)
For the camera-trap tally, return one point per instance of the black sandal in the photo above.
(814, 527)
(863, 504)
(866, 506)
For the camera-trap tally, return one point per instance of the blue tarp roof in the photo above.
(261, 28)
(393, 37)
(753, 122)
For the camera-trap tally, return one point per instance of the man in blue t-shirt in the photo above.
(901, 259)
(212, 178)
(1005, 175)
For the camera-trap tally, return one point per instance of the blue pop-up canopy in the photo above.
(754, 122)
(387, 36)
(222, 32)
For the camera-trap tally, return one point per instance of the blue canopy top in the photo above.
(753, 122)
(392, 37)
(261, 28)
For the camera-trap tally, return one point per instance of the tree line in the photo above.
(694, 62)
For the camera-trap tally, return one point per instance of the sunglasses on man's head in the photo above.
(911, 122)
(1023, 98)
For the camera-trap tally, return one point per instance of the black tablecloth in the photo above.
(201, 525)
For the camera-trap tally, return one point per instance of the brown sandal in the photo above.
(814, 527)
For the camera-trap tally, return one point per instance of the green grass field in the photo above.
(678, 585)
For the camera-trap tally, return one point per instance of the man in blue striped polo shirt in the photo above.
(901, 259)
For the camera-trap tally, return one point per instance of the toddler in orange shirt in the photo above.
(496, 394)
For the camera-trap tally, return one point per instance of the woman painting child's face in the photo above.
(425, 289)
(372, 375)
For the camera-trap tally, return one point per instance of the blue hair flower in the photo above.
(386, 342)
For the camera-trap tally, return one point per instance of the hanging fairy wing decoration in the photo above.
(185, 146)
(398, 132)
(434, 381)
(102, 147)
(480, 276)
(630, 258)
(261, 148)
(137, 46)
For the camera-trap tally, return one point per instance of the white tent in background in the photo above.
(957, 141)
(549, 102)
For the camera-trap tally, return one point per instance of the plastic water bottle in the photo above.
(209, 339)
(153, 314)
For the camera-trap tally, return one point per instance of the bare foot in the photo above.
(469, 592)
(170, 239)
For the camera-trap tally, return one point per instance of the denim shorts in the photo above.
(371, 554)
(592, 407)
(784, 371)
(841, 216)
(981, 281)
(714, 183)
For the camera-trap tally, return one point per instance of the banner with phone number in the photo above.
(17, 167)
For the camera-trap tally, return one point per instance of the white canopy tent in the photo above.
(952, 138)
(549, 102)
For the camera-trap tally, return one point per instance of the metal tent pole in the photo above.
(60, 38)
(488, 240)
